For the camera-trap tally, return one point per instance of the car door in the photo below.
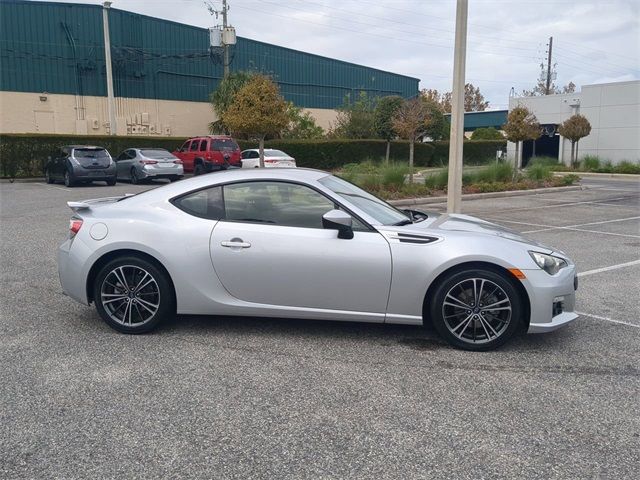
(270, 248)
(60, 162)
(122, 167)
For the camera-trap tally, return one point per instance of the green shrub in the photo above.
(437, 181)
(548, 161)
(496, 172)
(569, 179)
(627, 167)
(475, 152)
(539, 172)
(590, 163)
(393, 175)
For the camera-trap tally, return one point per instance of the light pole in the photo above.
(107, 59)
(454, 188)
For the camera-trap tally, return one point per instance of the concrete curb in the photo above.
(601, 175)
(406, 202)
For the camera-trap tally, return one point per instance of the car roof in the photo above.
(83, 146)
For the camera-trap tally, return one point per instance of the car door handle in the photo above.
(235, 243)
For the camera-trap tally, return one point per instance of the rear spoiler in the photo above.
(94, 202)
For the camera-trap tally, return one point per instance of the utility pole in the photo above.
(107, 59)
(227, 35)
(225, 9)
(454, 188)
(548, 90)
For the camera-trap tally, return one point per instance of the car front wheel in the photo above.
(477, 309)
(133, 295)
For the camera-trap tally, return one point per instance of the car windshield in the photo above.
(224, 144)
(378, 209)
(157, 153)
(90, 153)
(275, 153)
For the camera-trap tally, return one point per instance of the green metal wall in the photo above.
(490, 118)
(58, 48)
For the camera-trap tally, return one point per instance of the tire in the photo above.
(134, 311)
(134, 177)
(47, 176)
(460, 318)
(199, 169)
(68, 179)
(112, 181)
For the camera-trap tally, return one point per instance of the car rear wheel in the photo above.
(133, 295)
(68, 179)
(112, 181)
(134, 177)
(476, 309)
(48, 177)
(199, 169)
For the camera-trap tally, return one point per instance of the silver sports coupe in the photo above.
(305, 244)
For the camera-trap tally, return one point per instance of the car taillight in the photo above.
(148, 162)
(75, 224)
(179, 162)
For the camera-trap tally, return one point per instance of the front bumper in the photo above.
(552, 299)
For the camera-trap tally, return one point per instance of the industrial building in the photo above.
(613, 110)
(53, 73)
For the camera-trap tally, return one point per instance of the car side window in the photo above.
(203, 145)
(255, 154)
(277, 203)
(122, 156)
(245, 155)
(205, 203)
(184, 147)
(194, 145)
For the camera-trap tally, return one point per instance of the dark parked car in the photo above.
(76, 164)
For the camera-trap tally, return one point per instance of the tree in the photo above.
(438, 126)
(355, 118)
(540, 88)
(410, 122)
(574, 128)
(385, 109)
(302, 125)
(489, 133)
(223, 96)
(473, 100)
(257, 110)
(521, 125)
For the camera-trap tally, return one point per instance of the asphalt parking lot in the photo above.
(223, 397)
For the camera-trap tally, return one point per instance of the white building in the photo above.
(613, 109)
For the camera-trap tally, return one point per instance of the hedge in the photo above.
(25, 155)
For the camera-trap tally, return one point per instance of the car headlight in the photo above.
(548, 263)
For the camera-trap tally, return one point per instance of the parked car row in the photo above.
(76, 164)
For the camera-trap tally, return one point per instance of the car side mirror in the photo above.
(339, 220)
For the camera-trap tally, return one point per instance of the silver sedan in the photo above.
(140, 164)
(305, 244)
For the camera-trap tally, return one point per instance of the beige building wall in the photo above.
(22, 112)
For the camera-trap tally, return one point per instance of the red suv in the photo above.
(209, 153)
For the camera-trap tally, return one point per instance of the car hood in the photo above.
(440, 223)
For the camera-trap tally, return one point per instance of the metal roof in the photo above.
(58, 48)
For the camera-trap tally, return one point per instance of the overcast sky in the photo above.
(593, 41)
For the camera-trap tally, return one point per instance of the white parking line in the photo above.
(585, 224)
(607, 319)
(553, 227)
(607, 269)
(64, 189)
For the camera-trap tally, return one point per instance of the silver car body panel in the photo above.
(378, 276)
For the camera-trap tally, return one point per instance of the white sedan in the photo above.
(272, 159)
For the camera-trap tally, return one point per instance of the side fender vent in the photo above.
(417, 239)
